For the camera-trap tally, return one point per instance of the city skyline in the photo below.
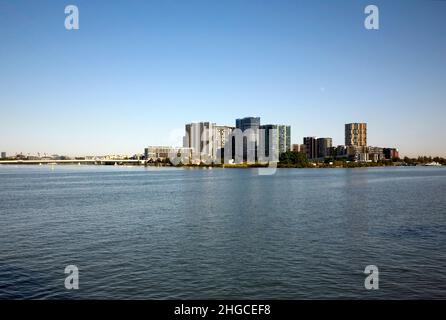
(206, 142)
(133, 75)
(205, 130)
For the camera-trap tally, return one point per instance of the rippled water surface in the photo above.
(222, 233)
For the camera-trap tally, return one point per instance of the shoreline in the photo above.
(350, 165)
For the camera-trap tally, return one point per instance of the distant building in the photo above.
(316, 148)
(298, 148)
(339, 152)
(311, 147)
(3, 155)
(363, 154)
(250, 138)
(223, 134)
(357, 153)
(201, 137)
(391, 153)
(376, 154)
(161, 153)
(362, 157)
(356, 134)
(248, 123)
(155, 153)
(324, 146)
(283, 138)
(116, 157)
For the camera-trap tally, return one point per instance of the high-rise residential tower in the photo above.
(201, 136)
(356, 134)
(324, 147)
(248, 123)
(311, 147)
(250, 138)
(283, 138)
(222, 134)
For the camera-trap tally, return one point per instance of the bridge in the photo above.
(74, 161)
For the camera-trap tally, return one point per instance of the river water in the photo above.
(165, 233)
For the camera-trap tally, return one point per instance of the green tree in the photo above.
(294, 159)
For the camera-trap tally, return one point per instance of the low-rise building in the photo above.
(155, 153)
(375, 154)
(391, 153)
(162, 153)
(357, 153)
(116, 157)
(339, 152)
(299, 148)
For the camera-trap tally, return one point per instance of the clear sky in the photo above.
(137, 71)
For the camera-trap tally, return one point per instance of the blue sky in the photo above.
(137, 71)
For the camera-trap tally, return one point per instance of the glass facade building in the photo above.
(250, 138)
(282, 135)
